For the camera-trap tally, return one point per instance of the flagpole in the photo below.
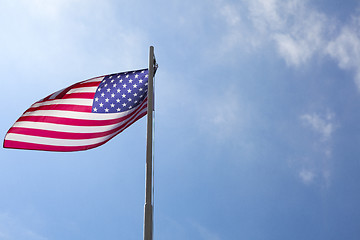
(148, 209)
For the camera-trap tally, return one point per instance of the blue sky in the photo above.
(257, 118)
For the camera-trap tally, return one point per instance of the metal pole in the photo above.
(148, 211)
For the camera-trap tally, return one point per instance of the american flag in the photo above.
(82, 116)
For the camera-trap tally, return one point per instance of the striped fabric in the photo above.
(82, 116)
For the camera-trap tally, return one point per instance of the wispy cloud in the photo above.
(44, 36)
(345, 48)
(318, 166)
(49, 10)
(231, 15)
(265, 15)
(296, 30)
(225, 115)
(323, 125)
(12, 229)
(205, 233)
(307, 175)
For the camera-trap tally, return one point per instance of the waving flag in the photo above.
(82, 116)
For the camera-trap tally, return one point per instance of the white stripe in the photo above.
(61, 142)
(54, 141)
(80, 115)
(84, 89)
(68, 128)
(71, 101)
(95, 79)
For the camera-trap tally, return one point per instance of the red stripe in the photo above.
(79, 95)
(69, 135)
(74, 86)
(65, 107)
(70, 121)
(34, 146)
(75, 122)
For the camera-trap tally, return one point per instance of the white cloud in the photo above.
(313, 168)
(317, 168)
(296, 29)
(345, 48)
(233, 27)
(265, 14)
(47, 9)
(307, 175)
(205, 233)
(224, 114)
(294, 52)
(12, 229)
(292, 27)
(302, 39)
(45, 36)
(322, 125)
(230, 14)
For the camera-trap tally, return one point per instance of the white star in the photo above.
(147, 75)
(107, 100)
(129, 90)
(118, 109)
(136, 102)
(129, 99)
(124, 104)
(95, 109)
(135, 94)
(99, 89)
(120, 81)
(140, 89)
(140, 81)
(112, 81)
(96, 99)
(130, 81)
(118, 90)
(127, 76)
(102, 94)
(106, 110)
(108, 90)
(118, 100)
(142, 71)
(130, 107)
(136, 76)
(134, 86)
(113, 95)
(101, 104)
(123, 95)
(105, 85)
(112, 105)
(114, 85)
(124, 85)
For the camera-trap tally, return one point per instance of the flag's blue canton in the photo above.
(121, 92)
